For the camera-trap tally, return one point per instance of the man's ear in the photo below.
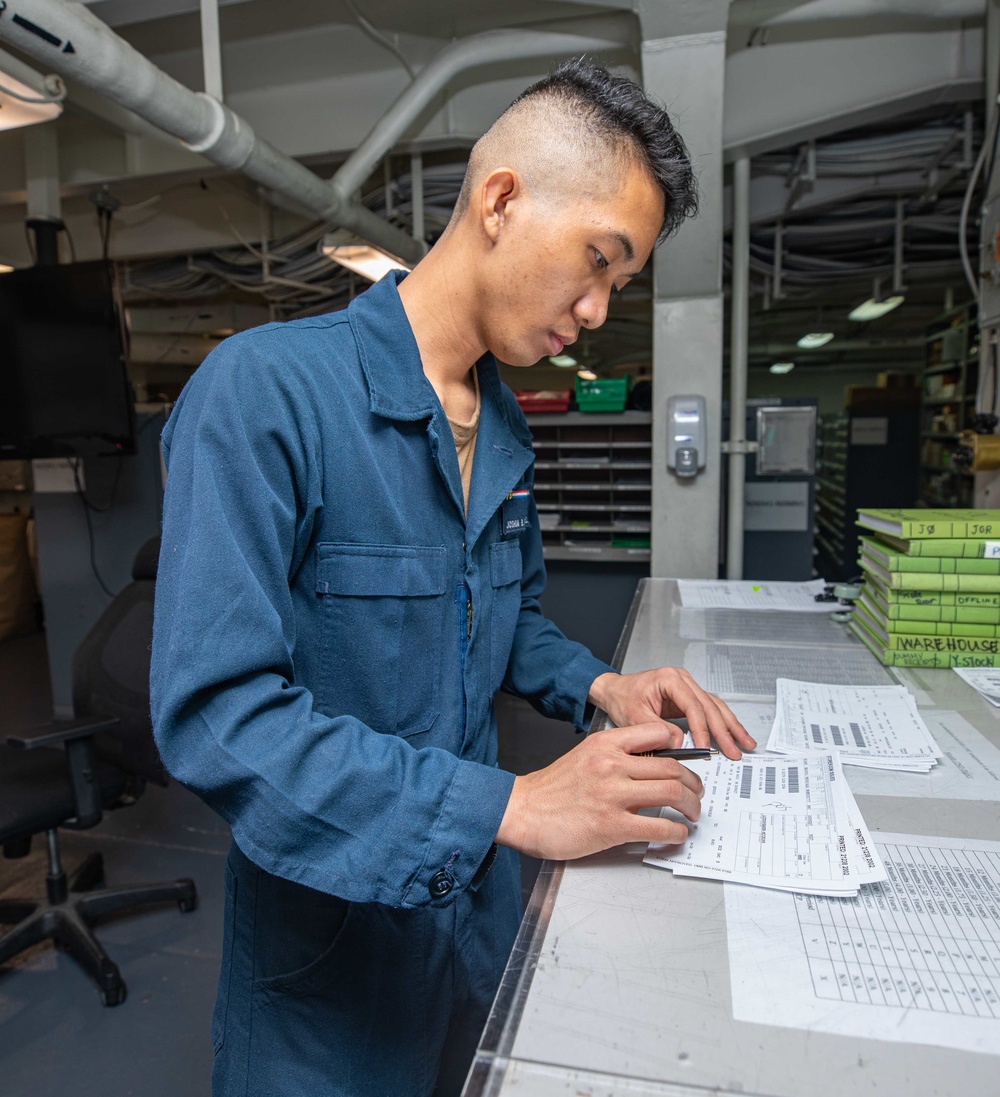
(500, 188)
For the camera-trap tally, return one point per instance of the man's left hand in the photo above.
(665, 694)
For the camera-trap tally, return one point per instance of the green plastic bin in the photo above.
(604, 394)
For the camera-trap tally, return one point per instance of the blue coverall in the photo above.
(330, 630)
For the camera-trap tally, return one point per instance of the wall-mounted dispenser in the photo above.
(687, 435)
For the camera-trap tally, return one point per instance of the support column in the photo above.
(683, 66)
(41, 172)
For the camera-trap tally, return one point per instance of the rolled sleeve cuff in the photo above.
(575, 680)
(458, 854)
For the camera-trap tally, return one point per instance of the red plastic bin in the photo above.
(544, 400)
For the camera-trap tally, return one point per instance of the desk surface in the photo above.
(619, 982)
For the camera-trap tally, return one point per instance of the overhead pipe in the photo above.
(66, 36)
(738, 346)
(480, 49)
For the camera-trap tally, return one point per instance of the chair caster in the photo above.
(189, 901)
(114, 996)
(112, 985)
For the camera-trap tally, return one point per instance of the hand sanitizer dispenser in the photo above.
(687, 435)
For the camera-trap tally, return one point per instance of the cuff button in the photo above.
(440, 884)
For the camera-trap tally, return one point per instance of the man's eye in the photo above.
(600, 260)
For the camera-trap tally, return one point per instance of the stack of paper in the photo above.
(984, 680)
(785, 823)
(874, 726)
(754, 594)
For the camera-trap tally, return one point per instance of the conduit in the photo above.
(739, 340)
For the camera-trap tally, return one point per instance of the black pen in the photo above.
(686, 754)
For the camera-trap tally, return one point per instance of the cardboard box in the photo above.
(892, 379)
(867, 398)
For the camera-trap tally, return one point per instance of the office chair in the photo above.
(103, 759)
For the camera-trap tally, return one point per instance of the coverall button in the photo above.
(440, 884)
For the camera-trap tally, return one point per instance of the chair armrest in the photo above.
(60, 732)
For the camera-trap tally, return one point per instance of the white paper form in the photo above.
(748, 672)
(968, 769)
(775, 822)
(876, 726)
(748, 594)
(915, 958)
(765, 627)
(984, 680)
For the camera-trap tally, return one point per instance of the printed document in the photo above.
(915, 958)
(786, 823)
(766, 627)
(748, 672)
(968, 769)
(985, 680)
(876, 726)
(748, 594)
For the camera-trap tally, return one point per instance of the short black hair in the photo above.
(620, 110)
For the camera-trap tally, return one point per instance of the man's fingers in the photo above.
(651, 828)
(653, 735)
(665, 769)
(674, 794)
(710, 718)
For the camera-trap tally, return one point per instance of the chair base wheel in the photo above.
(114, 996)
(189, 901)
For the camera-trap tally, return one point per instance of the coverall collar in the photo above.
(398, 389)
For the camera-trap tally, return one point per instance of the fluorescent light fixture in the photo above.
(815, 339)
(586, 375)
(872, 309)
(782, 367)
(364, 259)
(565, 360)
(24, 105)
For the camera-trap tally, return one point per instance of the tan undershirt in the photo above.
(465, 443)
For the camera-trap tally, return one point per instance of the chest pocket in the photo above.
(384, 614)
(505, 579)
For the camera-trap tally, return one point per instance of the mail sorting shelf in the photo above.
(593, 476)
(619, 982)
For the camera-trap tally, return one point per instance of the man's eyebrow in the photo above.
(626, 242)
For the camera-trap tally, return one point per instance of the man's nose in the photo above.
(591, 310)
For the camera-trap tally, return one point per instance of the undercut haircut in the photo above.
(611, 113)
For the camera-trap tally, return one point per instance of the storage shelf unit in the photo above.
(948, 404)
(593, 486)
(865, 460)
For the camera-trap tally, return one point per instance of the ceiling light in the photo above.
(586, 375)
(24, 104)
(873, 308)
(370, 262)
(815, 339)
(564, 360)
(783, 367)
(4, 269)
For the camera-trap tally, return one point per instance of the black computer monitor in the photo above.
(64, 389)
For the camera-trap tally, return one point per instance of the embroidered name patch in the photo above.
(515, 512)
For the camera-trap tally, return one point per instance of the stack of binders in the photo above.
(931, 595)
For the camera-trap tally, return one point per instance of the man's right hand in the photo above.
(588, 800)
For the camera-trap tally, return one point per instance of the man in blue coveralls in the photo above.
(350, 568)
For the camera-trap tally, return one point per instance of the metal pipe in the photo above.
(778, 240)
(93, 54)
(417, 194)
(480, 49)
(739, 337)
(897, 251)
